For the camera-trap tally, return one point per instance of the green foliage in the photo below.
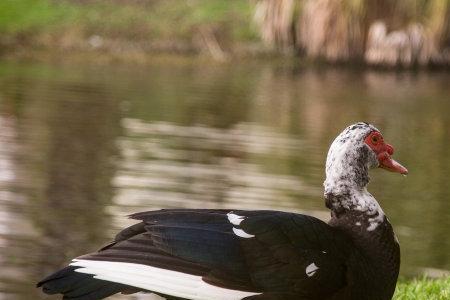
(158, 19)
(423, 289)
(29, 15)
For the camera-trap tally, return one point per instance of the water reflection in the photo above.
(82, 146)
(196, 166)
(8, 197)
(63, 159)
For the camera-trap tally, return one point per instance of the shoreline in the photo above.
(136, 30)
(145, 56)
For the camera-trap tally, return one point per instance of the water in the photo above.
(82, 146)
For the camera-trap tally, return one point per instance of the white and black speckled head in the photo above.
(357, 149)
(349, 159)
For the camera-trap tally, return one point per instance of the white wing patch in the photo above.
(235, 219)
(157, 280)
(311, 269)
(241, 233)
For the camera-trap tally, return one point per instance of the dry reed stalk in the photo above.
(211, 44)
(383, 32)
(275, 18)
(437, 26)
(421, 39)
(331, 29)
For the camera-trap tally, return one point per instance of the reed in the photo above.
(383, 32)
(275, 20)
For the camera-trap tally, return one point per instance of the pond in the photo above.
(82, 146)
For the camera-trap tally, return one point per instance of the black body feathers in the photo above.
(291, 256)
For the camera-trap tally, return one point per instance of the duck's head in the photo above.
(357, 149)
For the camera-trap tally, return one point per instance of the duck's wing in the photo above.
(211, 254)
(294, 256)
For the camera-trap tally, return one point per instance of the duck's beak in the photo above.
(387, 163)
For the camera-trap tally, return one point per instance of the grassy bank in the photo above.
(126, 26)
(423, 289)
(404, 33)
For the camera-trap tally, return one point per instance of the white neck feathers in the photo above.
(348, 162)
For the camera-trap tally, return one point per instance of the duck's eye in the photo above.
(375, 139)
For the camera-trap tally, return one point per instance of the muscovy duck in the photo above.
(223, 254)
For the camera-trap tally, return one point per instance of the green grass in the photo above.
(423, 289)
(153, 20)
(25, 15)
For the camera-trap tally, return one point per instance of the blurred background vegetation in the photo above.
(390, 33)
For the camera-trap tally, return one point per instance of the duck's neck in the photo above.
(346, 191)
(355, 212)
(357, 207)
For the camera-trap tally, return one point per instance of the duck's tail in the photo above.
(80, 286)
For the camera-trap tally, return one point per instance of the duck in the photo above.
(232, 254)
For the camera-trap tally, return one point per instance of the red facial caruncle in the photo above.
(384, 151)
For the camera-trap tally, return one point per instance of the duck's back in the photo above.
(231, 255)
